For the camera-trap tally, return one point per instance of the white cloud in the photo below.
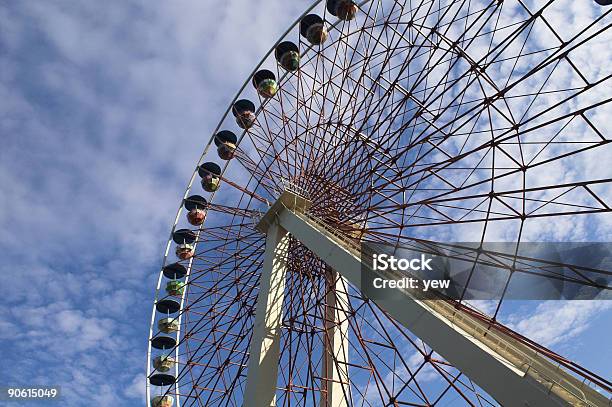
(105, 107)
(136, 389)
(554, 322)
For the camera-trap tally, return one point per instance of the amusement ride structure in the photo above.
(413, 123)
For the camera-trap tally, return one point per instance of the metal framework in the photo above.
(414, 123)
(505, 367)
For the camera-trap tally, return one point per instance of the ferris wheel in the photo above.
(412, 122)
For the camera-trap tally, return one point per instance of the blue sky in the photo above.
(104, 110)
(105, 107)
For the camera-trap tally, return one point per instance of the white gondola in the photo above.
(163, 363)
(162, 401)
(168, 325)
(185, 251)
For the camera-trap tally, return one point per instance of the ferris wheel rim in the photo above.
(189, 188)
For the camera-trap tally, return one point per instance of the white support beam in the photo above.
(336, 389)
(265, 344)
(508, 370)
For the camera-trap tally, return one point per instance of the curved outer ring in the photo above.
(149, 369)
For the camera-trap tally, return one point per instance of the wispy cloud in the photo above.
(104, 108)
(553, 322)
